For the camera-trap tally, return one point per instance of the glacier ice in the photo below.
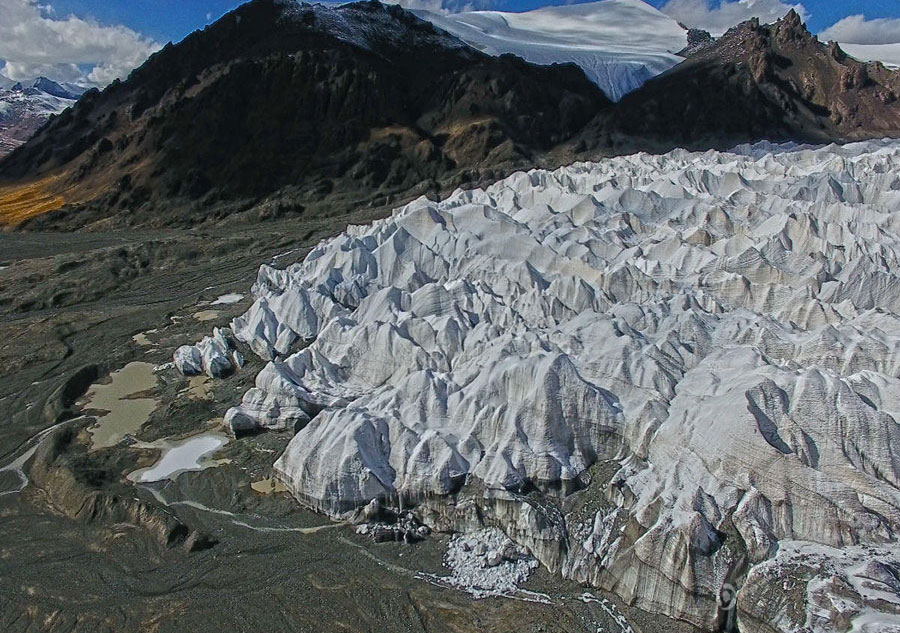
(619, 44)
(722, 325)
(888, 54)
(210, 356)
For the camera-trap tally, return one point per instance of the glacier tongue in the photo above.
(725, 325)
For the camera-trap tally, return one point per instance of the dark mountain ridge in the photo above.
(286, 108)
(301, 107)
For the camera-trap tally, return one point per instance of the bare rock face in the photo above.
(761, 81)
(674, 377)
(697, 40)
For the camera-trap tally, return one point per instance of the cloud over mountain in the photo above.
(34, 41)
(717, 20)
(856, 29)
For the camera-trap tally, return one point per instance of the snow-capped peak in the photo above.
(26, 105)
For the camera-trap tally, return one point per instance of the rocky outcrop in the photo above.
(774, 82)
(58, 404)
(697, 40)
(654, 372)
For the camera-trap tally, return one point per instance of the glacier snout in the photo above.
(719, 329)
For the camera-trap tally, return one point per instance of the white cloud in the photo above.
(57, 72)
(34, 42)
(856, 29)
(700, 14)
(444, 6)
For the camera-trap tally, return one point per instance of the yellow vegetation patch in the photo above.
(21, 202)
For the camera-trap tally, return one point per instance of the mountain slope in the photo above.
(775, 82)
(285, 108)
(619, 44)
(303, 109)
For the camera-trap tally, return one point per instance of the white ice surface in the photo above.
(227, 299)
(619, 44)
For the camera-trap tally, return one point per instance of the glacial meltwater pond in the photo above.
(180, 456)
(127, 410)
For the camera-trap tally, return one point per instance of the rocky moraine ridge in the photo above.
(665, 376)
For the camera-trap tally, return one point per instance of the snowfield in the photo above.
(619, 44)
(723, 325)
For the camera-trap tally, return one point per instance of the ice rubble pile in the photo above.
(487, 563)
(725, 324)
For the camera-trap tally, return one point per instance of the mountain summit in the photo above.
(26, 105)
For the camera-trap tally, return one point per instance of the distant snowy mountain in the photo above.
(620, 44)
(25, 106)
(61, 90)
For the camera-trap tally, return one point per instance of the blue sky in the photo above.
(96, 41)
(166, 20)
(163, 20)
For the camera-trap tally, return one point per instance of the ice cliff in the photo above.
(720, 330)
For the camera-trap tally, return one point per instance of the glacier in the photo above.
(719, 332)
(619, 44)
